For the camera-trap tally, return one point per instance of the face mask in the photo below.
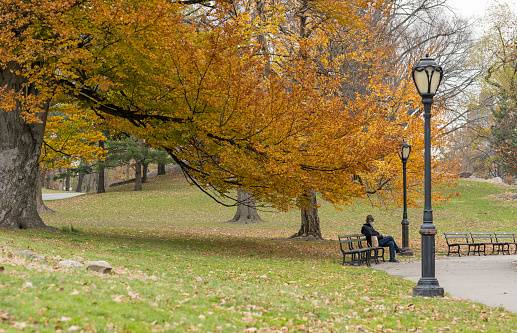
(372, 223)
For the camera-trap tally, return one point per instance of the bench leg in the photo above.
(451, 246)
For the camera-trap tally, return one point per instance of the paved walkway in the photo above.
(490, 280)
(56, 196)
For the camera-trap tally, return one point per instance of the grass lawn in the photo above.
(179, 267)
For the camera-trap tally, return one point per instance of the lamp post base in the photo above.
(428, 287)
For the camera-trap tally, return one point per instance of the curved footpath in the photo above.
(490, 280)
(57, 196)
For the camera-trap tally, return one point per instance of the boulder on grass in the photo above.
(27, 253)
(99, 266)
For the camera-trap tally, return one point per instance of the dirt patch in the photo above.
(507, 196)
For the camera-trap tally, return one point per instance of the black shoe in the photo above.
(394, 260)
(401, 250)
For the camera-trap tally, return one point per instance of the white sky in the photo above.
(471, 8)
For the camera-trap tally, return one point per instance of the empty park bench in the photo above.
(477, 242)
(455, 240)
(506, 237)
(485, 239)
(356, 247)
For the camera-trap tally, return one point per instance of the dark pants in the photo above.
(388, 241)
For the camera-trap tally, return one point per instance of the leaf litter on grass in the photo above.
(241, 278)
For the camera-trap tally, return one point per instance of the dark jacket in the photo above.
(369, 231)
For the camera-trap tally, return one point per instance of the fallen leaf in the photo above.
(117, 298)
(20, 325)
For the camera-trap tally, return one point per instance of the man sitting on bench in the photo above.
(384, 240)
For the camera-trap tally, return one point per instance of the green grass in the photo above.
(179, 268)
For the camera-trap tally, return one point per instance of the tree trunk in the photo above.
(144, 172)
(20, 149)
(310, 228)
(80, 182)
(101, 188)
(246, 209)
(161, 169)
(67, 182)
(138, 175)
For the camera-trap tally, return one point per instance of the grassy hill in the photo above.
(179, 267)
(170, 203)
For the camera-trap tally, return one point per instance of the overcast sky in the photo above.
(477, 8)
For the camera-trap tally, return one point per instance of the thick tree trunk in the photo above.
(246, 209)
(20, 149)
(138, 176)
(161, 169)
(310, 228)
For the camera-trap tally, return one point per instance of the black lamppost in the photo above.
(405, 150)
(427, 75)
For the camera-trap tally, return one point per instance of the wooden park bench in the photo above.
(477, 242)
(356, 247)
(455, 240)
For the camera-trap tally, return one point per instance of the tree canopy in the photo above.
(275, 97)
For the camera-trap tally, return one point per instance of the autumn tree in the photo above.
(495, 100)
(190, 79)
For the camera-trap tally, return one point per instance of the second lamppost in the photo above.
(427, 75)
(405, 150)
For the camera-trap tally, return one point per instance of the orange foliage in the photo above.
(275, 99)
